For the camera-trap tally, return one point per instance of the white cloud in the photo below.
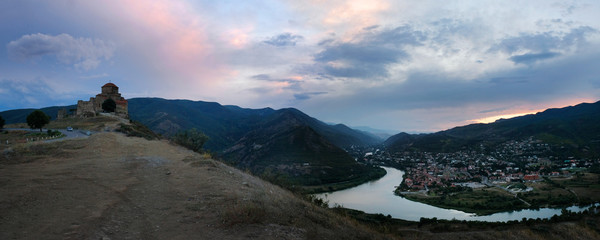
(83, 53)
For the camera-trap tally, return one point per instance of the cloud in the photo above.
(370, 56)
(371, 27)
(279, 83)
(284, 40)
(83, 53)
(545, 41)
(500, 109)
(427, 96)
(533, 57)
(307, 95)
(23, 93)
(267, 77)
(103, 75)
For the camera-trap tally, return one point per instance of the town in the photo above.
(514, 161)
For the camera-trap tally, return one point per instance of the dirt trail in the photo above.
(109, 186)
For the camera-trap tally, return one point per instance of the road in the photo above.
(68, 134)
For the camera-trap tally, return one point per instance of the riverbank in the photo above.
(555, 193)
(375, 174)
(484, 201)
(379, 197)
(569, 225)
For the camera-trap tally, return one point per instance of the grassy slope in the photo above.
(112, 186)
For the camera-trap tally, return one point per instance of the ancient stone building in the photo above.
(94, 105)
(62, 113)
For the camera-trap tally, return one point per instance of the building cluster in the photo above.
(513, 161)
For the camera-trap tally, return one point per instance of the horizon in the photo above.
(415, 66)
(373, 129)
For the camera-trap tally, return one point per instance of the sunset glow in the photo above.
(504, 116)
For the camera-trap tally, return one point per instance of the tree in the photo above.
(37, 119)
(109, 105)
(2, 122)
(191, 139)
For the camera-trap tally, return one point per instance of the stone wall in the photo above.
(62, 113)
(86, 108)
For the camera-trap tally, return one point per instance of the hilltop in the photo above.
(110, 186)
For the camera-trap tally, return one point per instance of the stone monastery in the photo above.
(94, 105)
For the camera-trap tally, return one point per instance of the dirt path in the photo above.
(109, 186)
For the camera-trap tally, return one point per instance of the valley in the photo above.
(486, 169)
(285, 148)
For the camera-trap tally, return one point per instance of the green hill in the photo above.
(20, 115)
(225, 125)
(288, 152)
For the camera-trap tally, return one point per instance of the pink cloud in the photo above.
(167, 40)
(345, 18)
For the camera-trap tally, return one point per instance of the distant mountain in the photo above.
(575, 128)
(284, 146)
(378, 133)
(20, 115)
(225, 125)
(287, 151)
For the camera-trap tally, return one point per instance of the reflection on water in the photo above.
(378, 197)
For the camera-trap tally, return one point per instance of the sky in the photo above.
(413, 66)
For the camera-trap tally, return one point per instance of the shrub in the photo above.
(137, 129)
(52, 133)
(191, 139)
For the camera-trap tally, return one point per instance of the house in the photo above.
(531, 177)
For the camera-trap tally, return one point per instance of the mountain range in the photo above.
(290, 147)
(225, 125)
(285, 146)
(574, 129)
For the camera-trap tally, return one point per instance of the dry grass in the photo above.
(112, 186)
(99, 123)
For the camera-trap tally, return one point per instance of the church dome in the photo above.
(109, 85)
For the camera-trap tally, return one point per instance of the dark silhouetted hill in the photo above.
(225, 125)
(575, 128)
(20, 115)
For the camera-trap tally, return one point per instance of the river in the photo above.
(378, 197)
